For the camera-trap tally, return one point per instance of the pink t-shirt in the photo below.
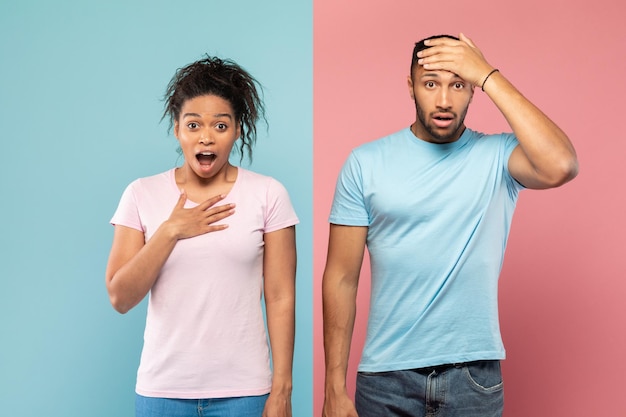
(205, 335)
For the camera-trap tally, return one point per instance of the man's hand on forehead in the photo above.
(460, 57)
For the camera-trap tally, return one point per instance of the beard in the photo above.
(450, 134)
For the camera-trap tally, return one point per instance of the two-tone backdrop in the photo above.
(80, 89)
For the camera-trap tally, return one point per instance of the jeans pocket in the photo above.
(484, 375)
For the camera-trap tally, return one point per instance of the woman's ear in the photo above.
(176, 126)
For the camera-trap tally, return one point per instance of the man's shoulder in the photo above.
(477, 135)
(382, 143)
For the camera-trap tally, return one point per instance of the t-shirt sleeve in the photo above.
(348, 206)
(280, 212)
(127, 213)
(510, 143)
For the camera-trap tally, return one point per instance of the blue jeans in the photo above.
(472, 389)
(211, 407)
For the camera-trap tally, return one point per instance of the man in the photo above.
(433, 203)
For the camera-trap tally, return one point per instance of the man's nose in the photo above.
(443, 98)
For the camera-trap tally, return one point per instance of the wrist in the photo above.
(169, 231)
(335, 385)
(282, 386)
(493, 71)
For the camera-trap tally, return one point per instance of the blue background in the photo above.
(80, 97)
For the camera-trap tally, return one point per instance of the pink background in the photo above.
(563, 284)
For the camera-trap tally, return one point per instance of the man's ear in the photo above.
(409, 81)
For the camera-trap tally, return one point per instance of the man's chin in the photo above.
(444, 135)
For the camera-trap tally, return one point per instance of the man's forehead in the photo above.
(440, 74)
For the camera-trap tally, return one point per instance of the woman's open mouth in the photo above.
(206, 158)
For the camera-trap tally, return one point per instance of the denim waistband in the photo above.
(444, 367)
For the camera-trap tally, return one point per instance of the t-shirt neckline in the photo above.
(229, 195)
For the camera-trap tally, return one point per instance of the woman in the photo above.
(206, 240)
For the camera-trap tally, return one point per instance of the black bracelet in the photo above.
(482, 87)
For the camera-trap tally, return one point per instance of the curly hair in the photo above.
(223, 78)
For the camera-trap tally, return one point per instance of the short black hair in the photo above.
(420, 46)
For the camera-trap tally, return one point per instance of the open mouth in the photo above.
(206, 158)
(443, 120)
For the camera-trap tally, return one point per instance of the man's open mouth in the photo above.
(443, 117)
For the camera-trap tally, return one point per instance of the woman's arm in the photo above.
(279, 269)
(134, 264)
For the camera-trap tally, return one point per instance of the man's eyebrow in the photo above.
(435, 74)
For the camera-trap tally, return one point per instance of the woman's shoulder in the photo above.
(253, 180)
(256, 177)
(160, 181)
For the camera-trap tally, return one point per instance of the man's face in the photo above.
(441, 102)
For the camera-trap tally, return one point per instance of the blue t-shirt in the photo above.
(438, 218)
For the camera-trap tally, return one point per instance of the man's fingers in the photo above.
(439, 60)
(443, 40)
(466, 40)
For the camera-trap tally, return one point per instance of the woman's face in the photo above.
(206, 130)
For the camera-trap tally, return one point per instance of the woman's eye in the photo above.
(221, 126)
(192, 125)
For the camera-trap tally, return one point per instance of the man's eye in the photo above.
(430, 84)
(459, 85)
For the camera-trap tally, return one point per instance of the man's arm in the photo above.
(545, 157)
(346, 246)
